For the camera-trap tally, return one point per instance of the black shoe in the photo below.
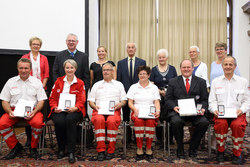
(220, 157)
(192, 153)
(12, 154)
(139, 157)
(101, 156)
(33, 153)
(180, 154)
(60, 154)
(237, 160)
(72, 158)
(149, 156)
(110, 156)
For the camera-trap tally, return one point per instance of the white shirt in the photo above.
(202, 72)
(15, 89)
(189, 81)
(107, 91)
(143, 96)
(230, 93)
(66, 86)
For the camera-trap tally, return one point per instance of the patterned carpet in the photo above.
(160, 159)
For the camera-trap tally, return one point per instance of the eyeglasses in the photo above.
(35, 44)
(71, 41)
(106, 70)
(220, 49)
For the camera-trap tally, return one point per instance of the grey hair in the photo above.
(196, 47)
(235, 62)
(72, 34)
(162, 51)
(187, 60)
(108, 64)
(70, 61)
(129, 43)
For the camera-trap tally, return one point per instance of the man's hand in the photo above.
(162, 92)
(157, 114)
(176, 109)
(202, 112)
(136, 113)
(11, 115)
(30, 116)
(239, 112)
(216, 113)
(118, 106)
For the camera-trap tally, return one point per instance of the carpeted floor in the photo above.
(160, 159)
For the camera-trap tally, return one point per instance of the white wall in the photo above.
(51, 20)
(241, 41)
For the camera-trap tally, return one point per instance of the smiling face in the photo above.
(24, 70)
(69, 70)
(228, 66)
(71, 42)
(186, 68)
(101, 53)
(162, 58)
(107, 72)
(143, 76)
(193, 54)
(221, 52)
(35, 46)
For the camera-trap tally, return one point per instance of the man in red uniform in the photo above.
(106, 90)
(27, 88)
(229, 92)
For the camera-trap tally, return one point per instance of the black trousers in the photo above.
(66, 129)
(177, 123)
(126, 118)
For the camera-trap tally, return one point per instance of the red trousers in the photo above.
(141, 125)
(6, 130)
(237, 126)
(102, 122)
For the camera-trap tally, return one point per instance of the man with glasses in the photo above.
(81, 58)
(111, 93)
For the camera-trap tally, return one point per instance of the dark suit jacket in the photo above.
(82, 71)
(123, 72)
(177, 90)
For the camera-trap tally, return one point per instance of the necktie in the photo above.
(187, 85)
(131, 69)
(72, 54)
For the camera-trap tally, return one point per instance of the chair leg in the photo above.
(83, 124)
(124, 138)
(85, 138)
(209, 141)
(1, 144)
(168, 125)
(164, 137)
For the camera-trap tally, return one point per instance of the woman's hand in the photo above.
(71, 109)
(56, 110)
(162, 92)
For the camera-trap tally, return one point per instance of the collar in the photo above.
(133, 58)
(184, 78)
(103, 81)
(74, 79)
(73, 52)
(19, 78)
(139, 85)
(233, 77)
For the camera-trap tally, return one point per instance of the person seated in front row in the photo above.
(141, 97)
(22, 87)
(104, 93)
(187, 86)
(66, 118)
(229, 91)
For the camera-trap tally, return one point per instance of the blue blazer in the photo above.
(123, 72)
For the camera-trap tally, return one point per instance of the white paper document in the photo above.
(22, 106)
(66, 100)
(105, 108)
(187, 107)
(145, 112)
(229, 113)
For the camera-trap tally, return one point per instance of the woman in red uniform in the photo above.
(66, 119)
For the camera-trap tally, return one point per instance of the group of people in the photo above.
(131, 87)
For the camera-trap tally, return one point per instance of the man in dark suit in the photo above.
(81, 58)
(187, 86)
(127, 75)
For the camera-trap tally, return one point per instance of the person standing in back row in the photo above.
(126, 74)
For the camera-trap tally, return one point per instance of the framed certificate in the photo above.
(221, 109)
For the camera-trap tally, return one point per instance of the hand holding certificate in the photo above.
(226, 112)
(106, 108)
(24, 108)
(187, 107)
(146, 112)
(66, 101)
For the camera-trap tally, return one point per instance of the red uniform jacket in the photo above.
(76, 88)
(44, 66)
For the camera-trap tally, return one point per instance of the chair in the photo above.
(131, 124)
(189, 124)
